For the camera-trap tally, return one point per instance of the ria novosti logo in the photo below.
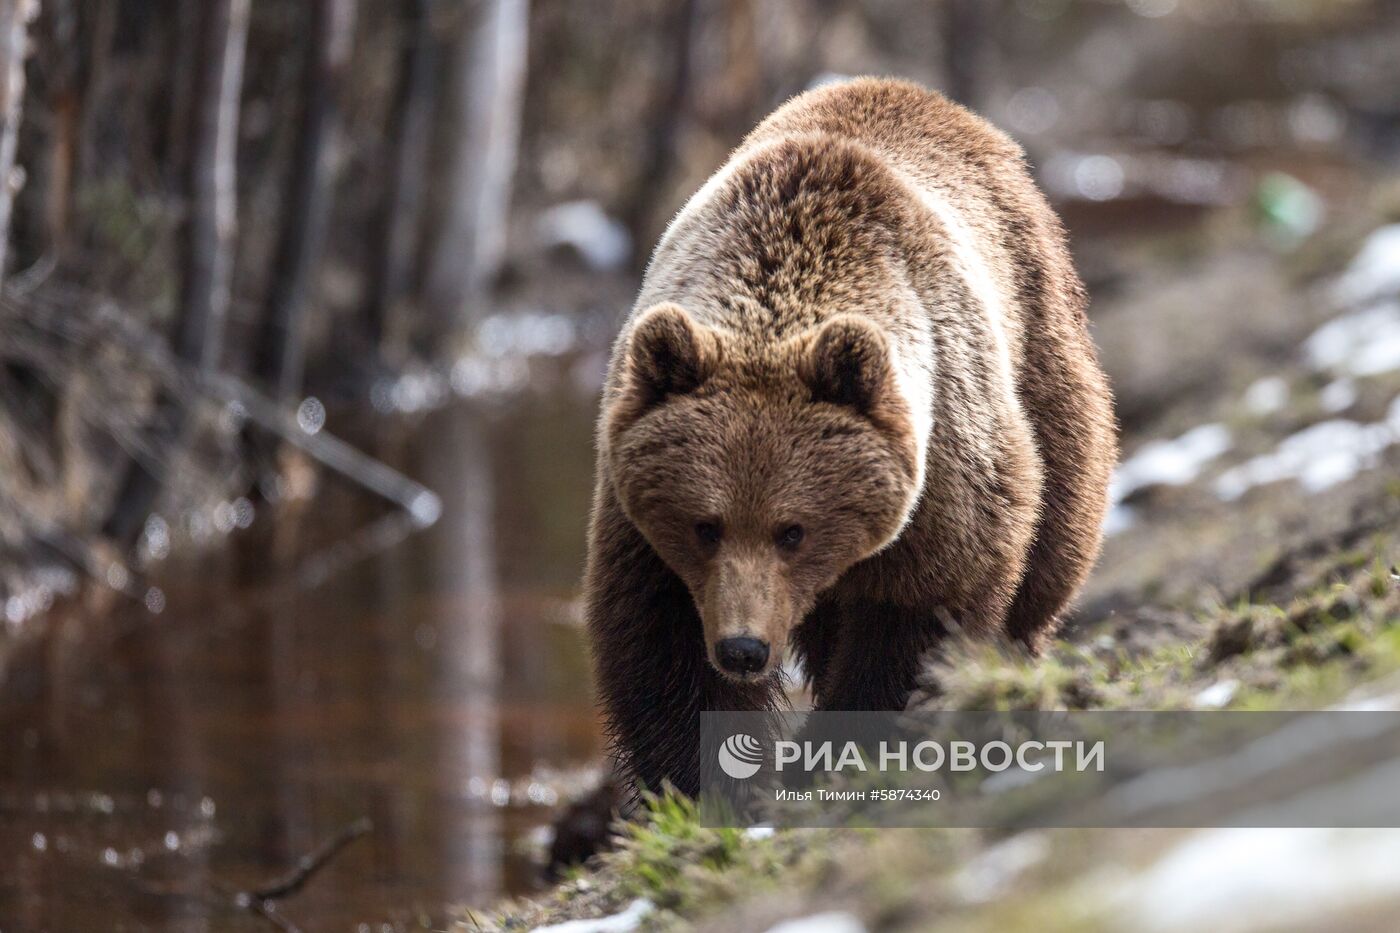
(740, 756)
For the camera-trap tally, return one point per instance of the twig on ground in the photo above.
(308, 865)
(262, 900)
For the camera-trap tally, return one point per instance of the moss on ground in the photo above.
(1301, 652)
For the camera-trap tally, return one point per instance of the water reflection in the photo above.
(471, 652)
(433, 686)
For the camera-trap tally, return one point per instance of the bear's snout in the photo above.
(746, 609)
(741, 655)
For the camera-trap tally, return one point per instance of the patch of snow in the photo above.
(1217, 694)
(625, 922)
(1315, 118)
(527, 333)
(1171, 463)
(759, 832)
(1099, 177)
(412, 391)
(833, 921)
(1362, 343)
(993, 872)
(474, 376)
(583, 226)
(1119, 519)
(1252, 879)
(1266, 396)
(1375, 272)
(1338, 395)
(1319, 457)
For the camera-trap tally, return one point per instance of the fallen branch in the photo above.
(262, 900)
(378, 477)
(61, 331)
(419, 501)
(308, 865)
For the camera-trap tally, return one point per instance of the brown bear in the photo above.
(856, 407)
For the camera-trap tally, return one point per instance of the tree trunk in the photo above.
(279, 353)
(411, 135)
(63, 50)
(74, 43)
(665, 124)
(100, 35)
(207, 241)
(15, 16)
(966, 35)
(487, 90)
(182, 54)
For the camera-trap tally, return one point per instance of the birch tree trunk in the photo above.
(401, 216)
(279, 354)
(211, 221)
(487, 91)
(15, 16)
(207, 241)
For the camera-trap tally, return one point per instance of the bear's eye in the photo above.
(790, 537)
(709, 533)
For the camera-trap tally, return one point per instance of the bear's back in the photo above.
(969, 175)
(879, 161)
(903, 122)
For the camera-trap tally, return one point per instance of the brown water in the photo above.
(152, 760)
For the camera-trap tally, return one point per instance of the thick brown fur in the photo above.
(856, 406)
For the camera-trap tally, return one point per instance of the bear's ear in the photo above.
(847, 363)
(669, 354)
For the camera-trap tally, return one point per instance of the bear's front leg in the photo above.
(649, 659)
(879, 654)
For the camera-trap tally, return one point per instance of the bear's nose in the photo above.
(741, 655)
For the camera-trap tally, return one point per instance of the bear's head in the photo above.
(762, 473)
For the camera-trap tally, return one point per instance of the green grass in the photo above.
(667, 856)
